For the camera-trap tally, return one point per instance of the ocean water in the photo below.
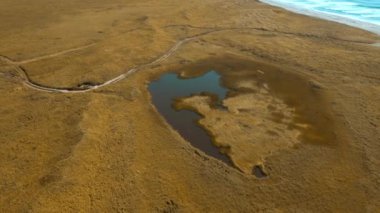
(364, 14)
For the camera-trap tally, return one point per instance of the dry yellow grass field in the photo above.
(107, 149)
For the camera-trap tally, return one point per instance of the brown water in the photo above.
(259, 172)
(165, 90)
(304, 96)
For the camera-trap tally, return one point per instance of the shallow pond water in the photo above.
(267, 110)
(170, 86)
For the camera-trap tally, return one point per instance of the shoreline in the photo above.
(373, 28)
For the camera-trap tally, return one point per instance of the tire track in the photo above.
(26, 61)
(33, 85)
(29, 83)
(54, 54)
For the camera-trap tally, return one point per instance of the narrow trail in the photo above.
(54, 54)
(9, 61)
(29, 83)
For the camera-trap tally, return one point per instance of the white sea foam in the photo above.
(363, 14)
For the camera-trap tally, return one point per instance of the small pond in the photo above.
(170, 86)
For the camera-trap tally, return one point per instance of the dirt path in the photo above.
(29, 83)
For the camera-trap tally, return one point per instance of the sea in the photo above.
(363, 14)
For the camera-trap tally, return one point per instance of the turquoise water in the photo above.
(359, 13)
(165, 90)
